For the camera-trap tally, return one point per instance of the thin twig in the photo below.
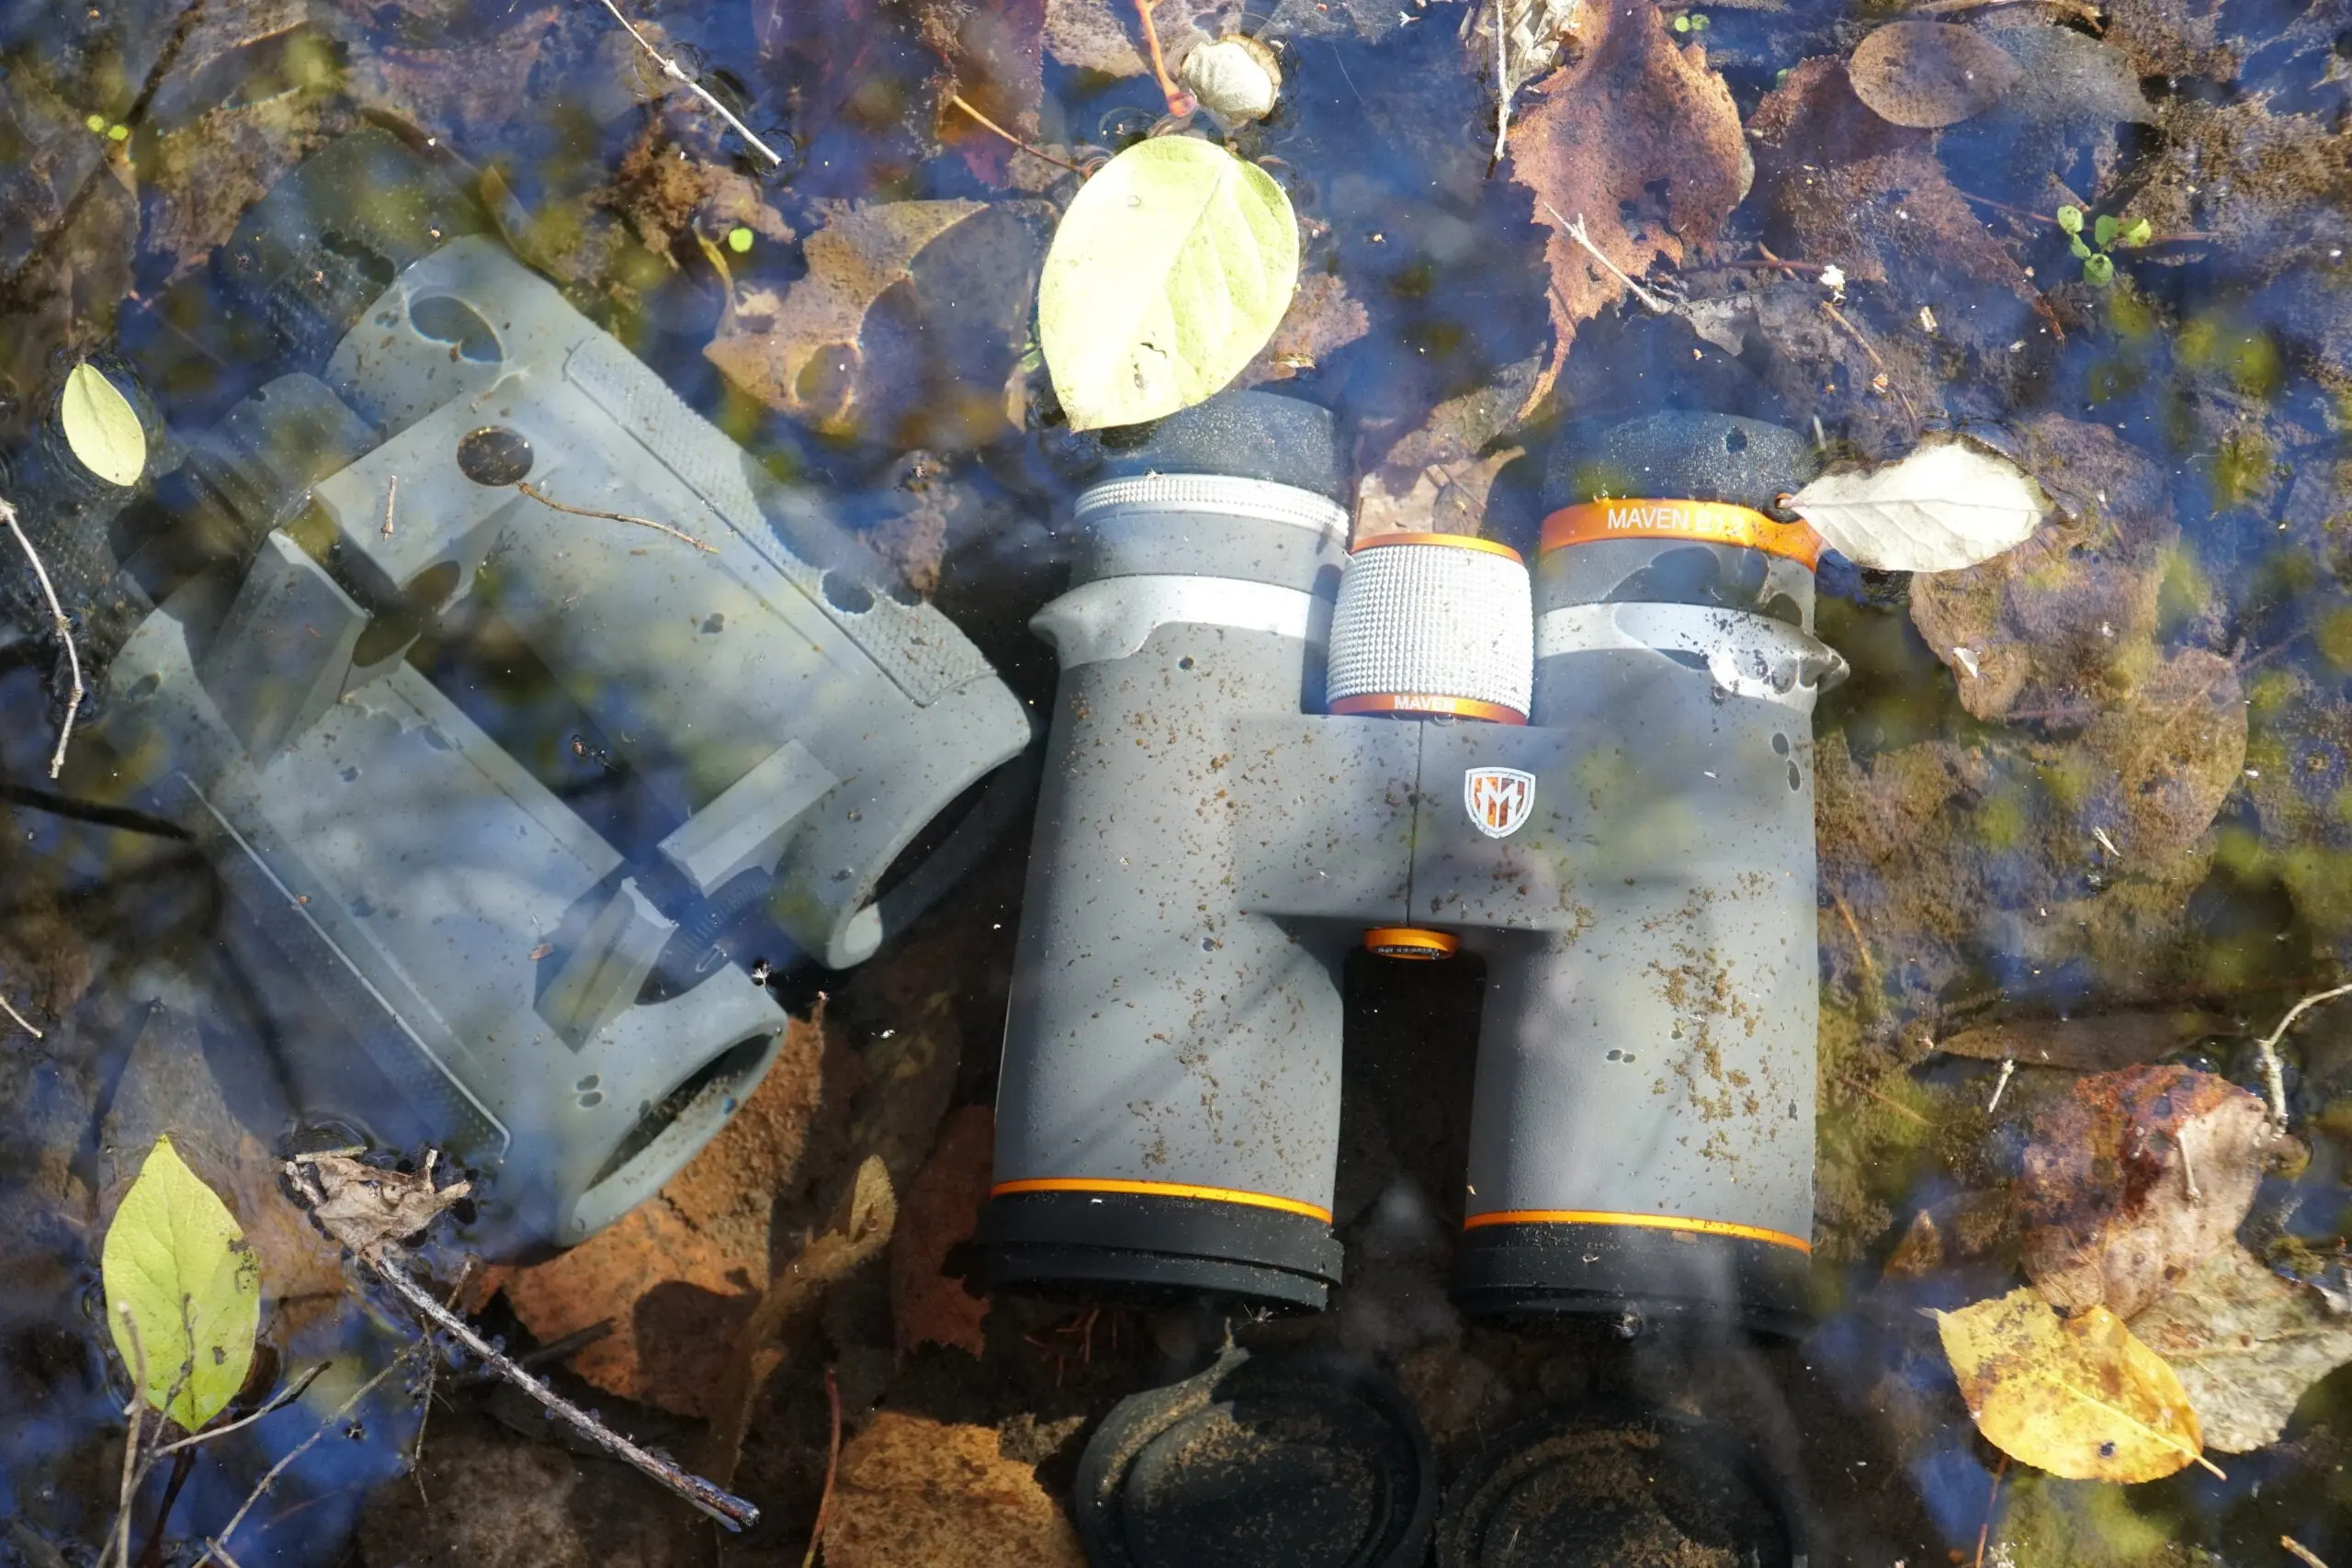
(286, 1396)
(1502, 81)
(424, 1407)
(65, 634)
(720, 1505)
(1178, 100)
(391, 494)
(2008, 1071)
(832, 1466)
(2273, 1076)
(544, 500)
(1575, 229)
(2189, 1177)
(1892, 1104)
(215, 1548)
(119, 1544)
(1838, 316)
(1991, 1502)
(2300, 1549)
(958, 99)
(1870, 966)
(671, 69)
(21, 1020)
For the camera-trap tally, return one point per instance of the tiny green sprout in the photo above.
(2140, 233)
(2082, 252)
(2106, 229)
(117, 133)
(2099, 270)
(96, 124)
(2070, 219)
(1682, 24)
(1699, 21)
(738, 240)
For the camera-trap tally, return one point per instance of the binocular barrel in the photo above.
(1596, 779)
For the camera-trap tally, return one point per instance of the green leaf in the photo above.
(2140, 233)
(2082, 252)
(1682, 24)
(1171, 270)
(176, 1265)
(101, 426)
(738, 240)
(2099, 270)
(2106, 229)
(2071, 219)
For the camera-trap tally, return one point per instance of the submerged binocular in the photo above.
(1267, 750)
(508, 789)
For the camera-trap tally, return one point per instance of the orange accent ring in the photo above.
(1428, 703)
(1410, 941)
(1708, 521)
(1159, 1189)
(1455, 541)
(1647, 1222)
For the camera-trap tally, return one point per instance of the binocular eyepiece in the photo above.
(1268, 749)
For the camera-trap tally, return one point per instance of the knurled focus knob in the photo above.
(1433, 623)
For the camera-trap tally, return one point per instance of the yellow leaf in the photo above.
(176, 1266)
(102, 427)
(2079, 1396)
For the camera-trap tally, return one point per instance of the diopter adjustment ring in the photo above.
(1439, 625)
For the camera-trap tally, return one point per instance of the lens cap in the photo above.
(1584, 1488)
(1298, 1459)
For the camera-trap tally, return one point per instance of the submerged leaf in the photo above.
(102, 427)
(1170, 271)
(2246, 1345)
(176, 1266)
(1926, 74)
(2080, 1397)
(1944, 507)
(2135, 1178)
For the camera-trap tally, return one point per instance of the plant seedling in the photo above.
(2108, 234)
(1691, 22)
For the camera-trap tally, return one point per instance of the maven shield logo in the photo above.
(1499, 799)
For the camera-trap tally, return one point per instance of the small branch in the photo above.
(671, 69)
(2008, 1071)
(216, 1550)
(958, 99)
(21, 1020)
(1991, 1503)
(832, 1466)
(1870, 966)
(725, 1506)
(2189, 1177)
(1889, 1101)
(119, 1546)
(2300, 1549)
(544, 500)
(2273, 1076)
(391, 494)
(65, 634)
(1178, 100)
(1502, 81)
(292, 1392)
(1575, 229)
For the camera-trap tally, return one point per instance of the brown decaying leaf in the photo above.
(462, 92)
(860, 1231)
(1848, 187)
(678, 1277)
(2098, 1045)
(906, 328)
(367, 1208)
(2076, 1396)
(2135, 1179)
(913, 1489)
(1639, 139)
(1323, 318)
(1929, 74)
(938, 1215)
(2246, 1345)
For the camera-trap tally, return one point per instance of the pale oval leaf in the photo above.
(102, 427)
(1941, 508)
(1170, 271)
(2076, 1396)
(176, 1262)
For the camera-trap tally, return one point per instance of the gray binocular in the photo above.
(1597, 777)
(473, 938)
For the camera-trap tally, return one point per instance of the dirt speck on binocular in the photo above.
(1403, 963)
